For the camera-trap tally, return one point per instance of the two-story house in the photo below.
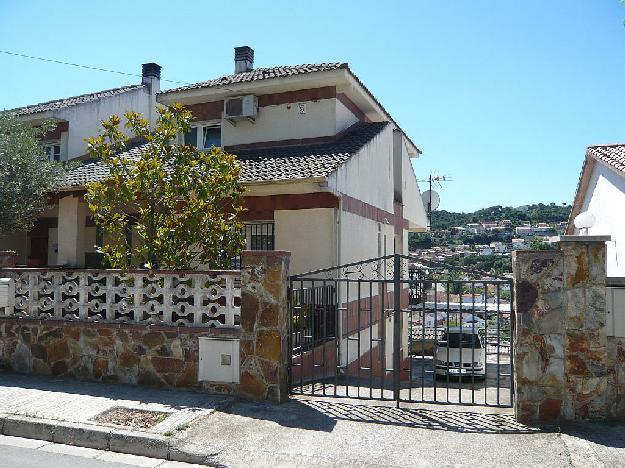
(327, 171)
(75, 119)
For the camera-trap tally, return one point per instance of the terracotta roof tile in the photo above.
(612, 155)
(277, 163)
(261, 74)
(73, 101)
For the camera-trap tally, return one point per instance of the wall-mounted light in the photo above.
(584, 221)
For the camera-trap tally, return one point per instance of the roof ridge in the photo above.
(240, 77)
(78, 96)
(607, 145)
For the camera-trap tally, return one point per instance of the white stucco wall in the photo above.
(414, 211)
(283, 122)
(84, 119)
(363, 238)
(605, 198)
(72, 234)
(368, 175)
(344, 117)
(310, 236)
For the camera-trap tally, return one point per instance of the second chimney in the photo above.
(151, 76)
(243, 59)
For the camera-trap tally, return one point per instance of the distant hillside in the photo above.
(550, 213)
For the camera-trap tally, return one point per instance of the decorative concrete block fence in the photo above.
(566, 367)
(141, 328)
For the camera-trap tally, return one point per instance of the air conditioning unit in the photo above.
(241, 107)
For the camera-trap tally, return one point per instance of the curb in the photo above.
(85, 435)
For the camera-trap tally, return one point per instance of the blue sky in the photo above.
(502, 96)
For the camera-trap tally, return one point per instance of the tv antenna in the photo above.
(431, 198)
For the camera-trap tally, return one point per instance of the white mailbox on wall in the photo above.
(7, 288)
(219, 360)
(615, 311)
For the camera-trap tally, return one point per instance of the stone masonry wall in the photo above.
(564, 369)
(165, 356)
(114, 353)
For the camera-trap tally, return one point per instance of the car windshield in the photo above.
(453, 340)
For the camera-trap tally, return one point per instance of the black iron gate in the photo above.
(396, 328)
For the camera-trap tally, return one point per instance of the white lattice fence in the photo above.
(206, 298)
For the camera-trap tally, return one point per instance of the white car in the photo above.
(473, 321)
(460, 352)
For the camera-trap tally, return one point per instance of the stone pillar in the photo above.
(71, 229)
(560, 335)
(585, 326)
(264, 325)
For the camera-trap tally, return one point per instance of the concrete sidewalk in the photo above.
(303, 432)
(340, 433)
(66, 412)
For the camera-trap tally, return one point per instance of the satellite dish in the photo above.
(432, 197)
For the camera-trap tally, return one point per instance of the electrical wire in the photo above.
(88, 67)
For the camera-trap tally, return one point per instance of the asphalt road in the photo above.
(18, 452)
(19, 457)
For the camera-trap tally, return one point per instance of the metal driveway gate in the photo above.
(395, 328)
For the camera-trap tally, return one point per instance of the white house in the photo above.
(475, 228)
(499, 247)
(601, 191)
(327, 171)
(75, 119)
(524, 231)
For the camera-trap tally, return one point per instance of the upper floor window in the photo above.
(52, 151)
(204, 136)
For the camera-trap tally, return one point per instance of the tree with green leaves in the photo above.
(27, 177)
(184, 204)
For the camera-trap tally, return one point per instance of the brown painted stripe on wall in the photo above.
(351, 105)
(206, 110)
(274, 143)
(299, 201)
(213, 110)
(55, 133)
(311, 94)
(364, 209)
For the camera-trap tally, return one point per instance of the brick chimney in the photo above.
(151, 76)
(243, 59)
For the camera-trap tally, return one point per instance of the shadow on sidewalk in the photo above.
(322, 415)
(441, 420)
(179, 399)
(608, 434)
